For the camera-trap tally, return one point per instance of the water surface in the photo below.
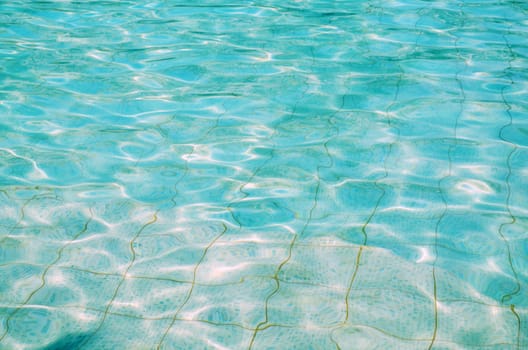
(263, 175)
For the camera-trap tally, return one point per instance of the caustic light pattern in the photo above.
(264, 174)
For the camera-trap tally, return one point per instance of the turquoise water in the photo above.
(263, 175)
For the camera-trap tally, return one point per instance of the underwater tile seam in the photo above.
(273, 175)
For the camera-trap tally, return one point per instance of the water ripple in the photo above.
(297, 174)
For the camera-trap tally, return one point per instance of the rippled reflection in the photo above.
(298, 174)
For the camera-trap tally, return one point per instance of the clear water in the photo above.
(263, 174)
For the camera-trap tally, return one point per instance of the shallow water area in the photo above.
(263, 175)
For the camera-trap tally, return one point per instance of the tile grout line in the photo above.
(265, 322)
(450, 150)
(507, 297)
(376, 206)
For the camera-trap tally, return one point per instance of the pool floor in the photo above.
(264, 175)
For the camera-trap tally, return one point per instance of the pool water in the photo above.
(264, 174)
